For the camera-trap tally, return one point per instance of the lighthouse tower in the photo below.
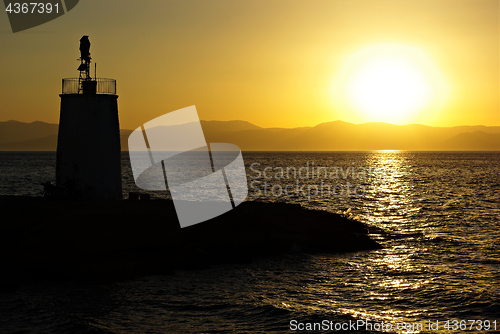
(88, 146)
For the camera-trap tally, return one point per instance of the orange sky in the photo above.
(272, 63)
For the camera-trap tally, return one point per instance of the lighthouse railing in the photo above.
(104, 86)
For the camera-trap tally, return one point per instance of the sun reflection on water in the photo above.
(391, 188)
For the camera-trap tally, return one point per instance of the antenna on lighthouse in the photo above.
(85, 83)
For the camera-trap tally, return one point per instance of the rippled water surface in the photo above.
(446, 266)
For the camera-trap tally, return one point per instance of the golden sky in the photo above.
(274, 63)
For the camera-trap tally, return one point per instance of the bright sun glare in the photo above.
(387, 87)
(389, 83)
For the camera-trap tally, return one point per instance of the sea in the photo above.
(438, 271)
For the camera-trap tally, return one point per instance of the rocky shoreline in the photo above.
(108, 241)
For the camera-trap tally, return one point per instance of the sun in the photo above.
(387, 88)
(389, 83)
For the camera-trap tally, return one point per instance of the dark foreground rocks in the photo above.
(106, 241)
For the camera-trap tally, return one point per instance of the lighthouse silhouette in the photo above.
(88, 146)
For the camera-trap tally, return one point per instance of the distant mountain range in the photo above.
(331, 136)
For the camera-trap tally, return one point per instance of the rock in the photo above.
(107, 241)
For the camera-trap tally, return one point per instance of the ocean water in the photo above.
(443, 263)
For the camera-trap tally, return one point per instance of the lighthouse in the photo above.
(88, 145)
